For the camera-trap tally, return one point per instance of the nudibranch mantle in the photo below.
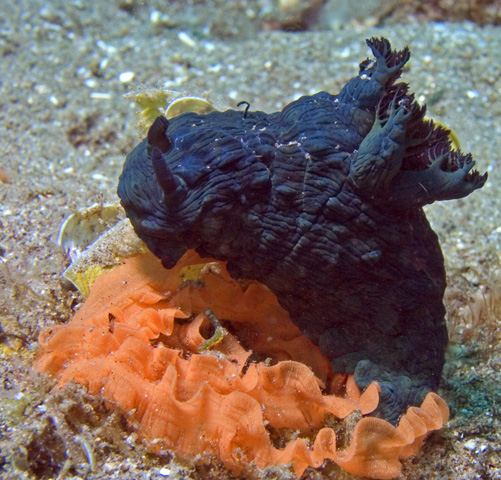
(322, 203)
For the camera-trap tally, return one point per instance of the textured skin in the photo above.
(322, 203)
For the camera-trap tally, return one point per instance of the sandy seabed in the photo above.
(65, 129)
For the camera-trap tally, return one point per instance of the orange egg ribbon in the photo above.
(140, 341)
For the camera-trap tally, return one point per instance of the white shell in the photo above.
(83, 227)
(96, 239)
(104, 254)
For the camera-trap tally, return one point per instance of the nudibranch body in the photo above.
(322, 203)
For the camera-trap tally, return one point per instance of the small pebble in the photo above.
(472, 94)
(155, 16)
(90, 82)
(186, 39)
(126, 77)
(100, 95)
(471, 444)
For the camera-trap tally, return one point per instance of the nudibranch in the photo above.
(322, 202)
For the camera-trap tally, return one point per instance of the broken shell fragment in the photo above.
(188, 104)
(83, 227)
(154, 102)
(90, 238)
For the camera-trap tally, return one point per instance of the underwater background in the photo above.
(70, 71)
